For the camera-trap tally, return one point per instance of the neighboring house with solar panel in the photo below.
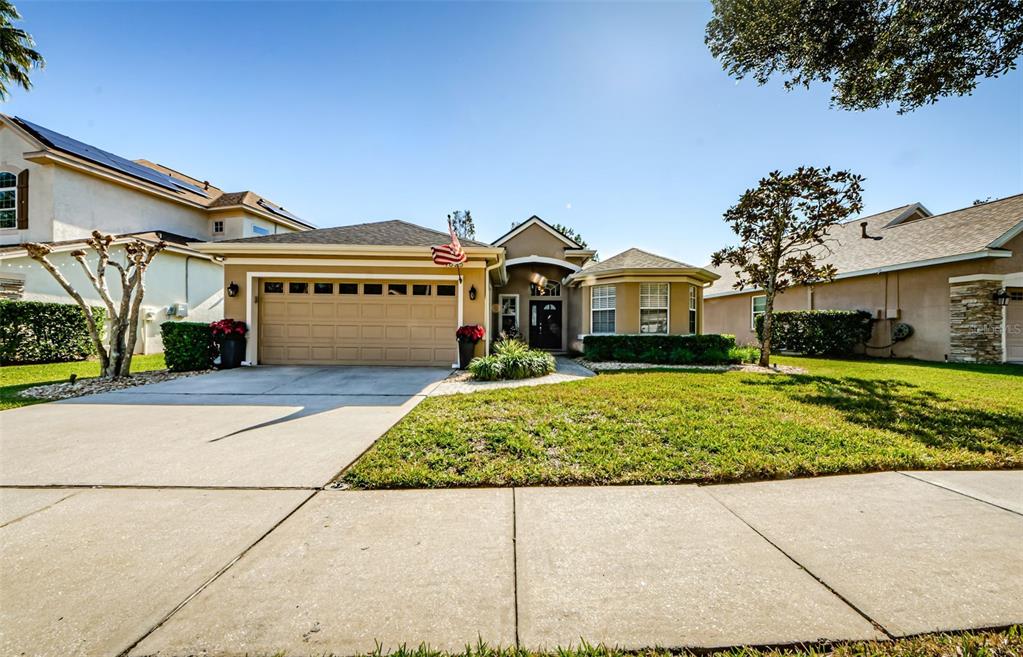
(955, 278)
(57, 190)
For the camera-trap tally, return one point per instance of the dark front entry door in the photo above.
(545, 324)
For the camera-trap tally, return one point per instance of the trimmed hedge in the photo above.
(818, 332)
(709, 349)
(187, 346)
(43, 332)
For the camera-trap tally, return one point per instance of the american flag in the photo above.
(449, 254)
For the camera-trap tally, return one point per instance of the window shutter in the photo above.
(23, 200)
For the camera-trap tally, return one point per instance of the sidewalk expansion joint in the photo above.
(958, 492)
(863, 614)
(215, 577)
(32, 513)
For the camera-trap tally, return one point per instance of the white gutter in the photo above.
(975, 255)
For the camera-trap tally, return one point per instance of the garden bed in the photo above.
(82, 387)
(614, 366)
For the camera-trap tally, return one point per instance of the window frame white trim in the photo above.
(518, 311)
(593, 289)
(693, 320)
(12, 188)
(752, 310)
(666, 308)
(222, 226)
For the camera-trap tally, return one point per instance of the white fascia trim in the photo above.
(533, 221)
(64, 248)
(53, 157)
(252, 346)
(542, 259)
(986, 253)
(225, 248)
(1012, 279)
(263, 214)
(1006, 236)
(334, 262)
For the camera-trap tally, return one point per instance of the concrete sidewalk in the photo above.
(307, 572)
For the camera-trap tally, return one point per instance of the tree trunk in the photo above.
(765, 344)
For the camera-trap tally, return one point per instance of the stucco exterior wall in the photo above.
(534, 240)
(40, 190)
(627, 308)
(83, 203)
(165, 286)
(918, 297)
(473, 311)
(519, 282)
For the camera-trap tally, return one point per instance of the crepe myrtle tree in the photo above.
(782, 225)
(872, 52)
(115, 360)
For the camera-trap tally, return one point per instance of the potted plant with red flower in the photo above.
(229, 334)
(468, 336)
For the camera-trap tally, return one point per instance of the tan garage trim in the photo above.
(252, 314)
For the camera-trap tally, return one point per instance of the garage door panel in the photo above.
(397, 333)
(346, 331)
(395, 311)
(422, 312)
(323, 311)
(352, 329)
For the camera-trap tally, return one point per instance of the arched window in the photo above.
(8, 200)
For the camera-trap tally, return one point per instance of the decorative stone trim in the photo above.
(975, 322)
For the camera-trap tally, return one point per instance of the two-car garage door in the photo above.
(334, 322)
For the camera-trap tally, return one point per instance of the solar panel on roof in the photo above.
(107, 159)
(276, 209)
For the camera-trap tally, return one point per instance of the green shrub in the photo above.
(710, 349)
(187, 346)
(41, 332)
(743, 354)
(512, 359)
(486, 368)
(818, 332)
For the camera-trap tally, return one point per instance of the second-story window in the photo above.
(8, 200)
(218, 227)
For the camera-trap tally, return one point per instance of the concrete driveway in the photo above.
(264, 427)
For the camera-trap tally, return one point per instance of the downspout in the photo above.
(488, 314)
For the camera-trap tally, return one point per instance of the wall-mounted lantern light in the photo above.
(472, 293)
(1001, 297)
(232, 289)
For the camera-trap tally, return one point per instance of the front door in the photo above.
(545, 324)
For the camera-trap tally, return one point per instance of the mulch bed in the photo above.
(92, 386)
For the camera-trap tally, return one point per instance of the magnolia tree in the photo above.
(115, 359)
(782, 226)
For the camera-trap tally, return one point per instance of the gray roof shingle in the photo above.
(377, 233)
(635, 259)
(959, 232)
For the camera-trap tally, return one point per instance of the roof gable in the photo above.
(537, 221)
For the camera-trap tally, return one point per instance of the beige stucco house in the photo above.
(955, 278)
(370, 293)
(57, 190)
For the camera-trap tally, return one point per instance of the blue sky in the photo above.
(611, 118)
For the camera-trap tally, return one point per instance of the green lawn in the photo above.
(689, 426)
(1005, 643)
(14, 378)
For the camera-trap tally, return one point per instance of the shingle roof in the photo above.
(635, 259)
(378, 233)
(953, 233)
